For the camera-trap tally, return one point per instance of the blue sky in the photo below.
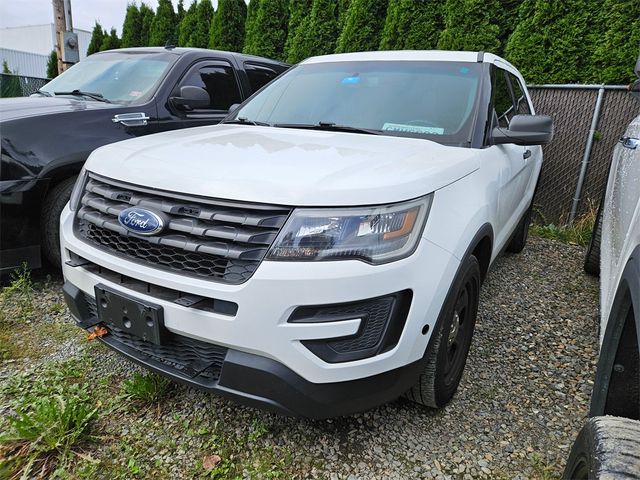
(110, 13)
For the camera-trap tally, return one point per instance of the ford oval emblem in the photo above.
(141, 221)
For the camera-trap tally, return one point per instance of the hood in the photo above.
(14, 108)
(285, 166)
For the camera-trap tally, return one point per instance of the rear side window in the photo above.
(259, 76)
(219, 80)
(501, 98)
(522, 105)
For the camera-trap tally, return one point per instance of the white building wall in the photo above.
(25, 63)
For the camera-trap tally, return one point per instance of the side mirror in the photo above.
(191, 97)
(525, 130)
(634, 89)
(233, 108)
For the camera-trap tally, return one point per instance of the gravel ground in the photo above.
(522, 400)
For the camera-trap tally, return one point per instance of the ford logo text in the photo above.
(141, 221)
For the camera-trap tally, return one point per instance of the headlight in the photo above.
(373, 234)
(78, 189)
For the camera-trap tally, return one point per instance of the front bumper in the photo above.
(260, 334)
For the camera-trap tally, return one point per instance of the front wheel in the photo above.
(447, 357)
(54, 203)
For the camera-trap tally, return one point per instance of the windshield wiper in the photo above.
(43, 93)
(79, 93)
(328, 126)
(245, 121)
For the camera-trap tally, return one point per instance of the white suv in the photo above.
(321, 251)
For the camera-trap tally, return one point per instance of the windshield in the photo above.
(117, 77)
(434, 100)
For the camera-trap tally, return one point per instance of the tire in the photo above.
(592, 255)
(520, 236)
(447, 357)
(54, 203)
(606, 447)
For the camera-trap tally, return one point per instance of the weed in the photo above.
(49, 420)
(578, 232)
(542, 469)
(18, 295)
(148, 387)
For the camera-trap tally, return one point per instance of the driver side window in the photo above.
(219, 80)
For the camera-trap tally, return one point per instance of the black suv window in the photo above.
(219, 80)
(259, 75)
(501, 97)
(522, 105)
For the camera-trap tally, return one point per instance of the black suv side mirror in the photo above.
(525, 130)
(191, 97)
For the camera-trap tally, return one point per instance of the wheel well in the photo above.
(482, 251)
(623, 394)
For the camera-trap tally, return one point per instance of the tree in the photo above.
(553, 41)
(299, 10)
(11, 84)
(616, 51)
(227, 29)
(199, 37)
(412, 25)
(111, 41)
(470, 25)
(362, 26)
(187, 25)
(147, 15)
(318, 32)
(97, 37)
(132, 27)
(52, 65)
(269, 29)
(249, 24)
(343, 8)
(163, 25)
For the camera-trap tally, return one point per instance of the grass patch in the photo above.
(542, 470)
(147, 387)
(17, 298)
(579, 232)
(51, 415)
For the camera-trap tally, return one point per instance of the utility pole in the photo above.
(66, 40)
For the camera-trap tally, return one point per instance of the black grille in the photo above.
(187, 356)
(219, 241)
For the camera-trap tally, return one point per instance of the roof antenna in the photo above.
(169, 45)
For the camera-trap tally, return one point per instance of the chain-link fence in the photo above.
(19, 86)
(573, 108)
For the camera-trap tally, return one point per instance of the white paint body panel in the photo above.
(302, 168)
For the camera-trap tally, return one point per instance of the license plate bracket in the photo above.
(129, 314)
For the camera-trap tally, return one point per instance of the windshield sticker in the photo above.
(353, 80)
(400, 127)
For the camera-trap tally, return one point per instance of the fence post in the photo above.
(587, 154)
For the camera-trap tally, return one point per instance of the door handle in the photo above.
(138, 119)
(526, 154)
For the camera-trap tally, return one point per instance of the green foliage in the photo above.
(97, 37)
(470, 25)
(249, 24)
(412, 25)
(187, 24)
(317, 33)
(110, 41)
(227, 29)
(19, 293)
(52, 65)
(362, 26)
(147, 15)
(199, 37)
(299, 10)
(163, 25)
(553, 41)
(132, 27)
(343, 8)
(148, 387)
(616, 51)
(268, 32)
(51, 416)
